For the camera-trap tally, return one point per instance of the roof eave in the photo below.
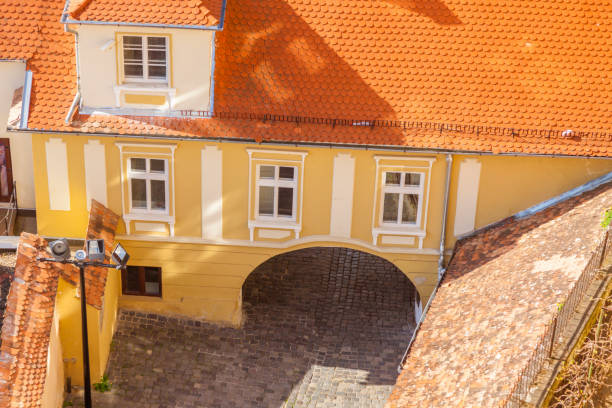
(67, 20)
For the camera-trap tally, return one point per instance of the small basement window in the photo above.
(141, 281)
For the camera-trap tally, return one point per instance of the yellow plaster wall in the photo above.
(100, 335)
(53, 392)
(203, 278)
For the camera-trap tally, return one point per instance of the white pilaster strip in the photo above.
(57, 173)
(212, 193)
(95, 172)
(467, 196)
(342, 196)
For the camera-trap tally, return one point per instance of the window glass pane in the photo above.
(152, 280)
(133, 70)
(156, 42)
(157, 71)
(286, 173)
(393, 178)
(138, 165)
(411, 205)
(139, 193)
(132, 279)
(266, 172)
(266, 200)
(132, 41)
(157, 56)
(390, 207)
(412, 179)
(285, 201)
(157, 166)
(130, 55)
(158, 195)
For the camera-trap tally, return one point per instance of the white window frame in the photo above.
(401, 189)
(148, 176)
(145, 60)
(276, 182)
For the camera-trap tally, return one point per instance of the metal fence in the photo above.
(554, 329)
(8, 221)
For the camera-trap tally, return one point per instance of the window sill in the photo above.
(147, 88)
(401, 231)
(274, 224)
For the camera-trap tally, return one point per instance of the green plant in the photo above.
(607, 219)
(67, 404)
(103, 385)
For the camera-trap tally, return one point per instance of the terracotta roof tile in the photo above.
(27, 325)
(515, 74)
(501, 290)
(181, 12)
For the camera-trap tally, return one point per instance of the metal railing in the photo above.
(8, 221)
(555, 328)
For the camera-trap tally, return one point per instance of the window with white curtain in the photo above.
(276, 192)
(148, 184)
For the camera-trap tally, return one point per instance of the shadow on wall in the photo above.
(436, 10)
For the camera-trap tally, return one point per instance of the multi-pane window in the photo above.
(148, 180)
(402, 195)
(141, 281)
(276, 191)
(145, 58)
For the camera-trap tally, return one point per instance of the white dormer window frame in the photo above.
(147, 59)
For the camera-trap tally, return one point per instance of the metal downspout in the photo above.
(441, 269)
(77, 97)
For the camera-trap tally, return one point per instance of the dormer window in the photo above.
(145, 58)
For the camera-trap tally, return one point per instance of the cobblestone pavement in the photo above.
(324, 328)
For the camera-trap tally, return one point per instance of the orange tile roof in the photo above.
(27, 326)
(20, 24)
(502, 289)
(516, 74)
(174, 12)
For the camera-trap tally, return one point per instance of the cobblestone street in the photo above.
(323, 328)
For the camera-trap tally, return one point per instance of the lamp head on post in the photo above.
(120, 256)
(60, 249)
(95, 250)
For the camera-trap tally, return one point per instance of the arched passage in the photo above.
(332, 322)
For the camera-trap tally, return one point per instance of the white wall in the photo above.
(12, 76)
(190, 64)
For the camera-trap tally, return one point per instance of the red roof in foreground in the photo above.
(175, 12)
(533, 69)
(502, 289)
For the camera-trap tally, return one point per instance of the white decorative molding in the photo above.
(396, 240)
(419, 232)
(95, 172)
(467, 196)
(265, 222)
(273, 234)
(277, 225)
(57, 173)
(212, 192)
(142, 216)
(150, 227)
(342, 195)
(312, 239)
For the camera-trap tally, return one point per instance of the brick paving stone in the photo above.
(325, 327)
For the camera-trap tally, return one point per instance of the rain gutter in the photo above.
(77, 98)
(25, 101)
(330, 145)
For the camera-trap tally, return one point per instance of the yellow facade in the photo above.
(202, 276)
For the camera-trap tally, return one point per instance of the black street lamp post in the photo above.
(95, 251)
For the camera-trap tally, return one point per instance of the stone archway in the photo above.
(342, 317)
